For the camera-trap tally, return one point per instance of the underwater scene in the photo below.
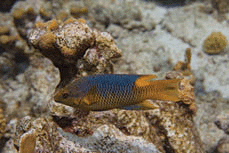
(114, 76)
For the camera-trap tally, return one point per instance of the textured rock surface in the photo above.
(223, 145)
(153, 39)
(193, 26)
(74, 47)
(160, 130)
(222, 122)
(210, 106)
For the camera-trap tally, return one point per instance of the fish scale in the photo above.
(108, 91)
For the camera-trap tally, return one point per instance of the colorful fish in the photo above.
(108, 91)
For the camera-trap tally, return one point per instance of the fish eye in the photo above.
(65, 95)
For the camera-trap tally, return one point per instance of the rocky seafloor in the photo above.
(45, 44)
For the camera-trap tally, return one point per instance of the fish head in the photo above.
(68, 97)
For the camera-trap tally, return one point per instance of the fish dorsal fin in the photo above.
(144, 80)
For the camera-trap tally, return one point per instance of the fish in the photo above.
(108, 91)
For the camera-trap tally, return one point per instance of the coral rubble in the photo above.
(39, 41)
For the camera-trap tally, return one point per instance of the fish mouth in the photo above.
(57, 96)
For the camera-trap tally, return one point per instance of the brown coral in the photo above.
(2, 123)
(28, 142)
(18, 13)
(23, 19)
(186, 90)
(6, 40)
(73, 43)
(77, 11)
(4, 30)
(70, 39)
(215, 43)
(44, 13)
(221, 5)
(185, 67)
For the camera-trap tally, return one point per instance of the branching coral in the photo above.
(185, 67)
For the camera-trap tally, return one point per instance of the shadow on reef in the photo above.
(12, 64)
(6, 5)
(170, 3)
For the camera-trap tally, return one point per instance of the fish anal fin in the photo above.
(148, 104)
(145, 105)
(144, 80)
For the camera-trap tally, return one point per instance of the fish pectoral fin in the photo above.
(148, 104)
(145, 105)
(86, 101)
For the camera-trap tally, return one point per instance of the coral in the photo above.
(23, 19)
(76, 36)
(41, 132)
(2, 122)
(222, 122)
(221, 5)
(215, 43)
(7, 66)
(77, 11)
(186, 90)
(47, 41)
(34, 82)
(127, 14)
(223, 145)
(107, 50)
(107, 138)
(62, 15)
(28, 142)
(47, 77)
(28, 81)
(185, 67)
(210, 106)
(73, 43)
(187, 94)
(10, 39)
(45, 13)
(4, 30)
(6, 40)
(166, 127)
(67, 40)
(18, 13)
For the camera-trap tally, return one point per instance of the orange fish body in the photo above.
(108, 91)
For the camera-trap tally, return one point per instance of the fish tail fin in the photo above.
(167, 90)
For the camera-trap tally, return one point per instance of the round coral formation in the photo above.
(215, 43)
